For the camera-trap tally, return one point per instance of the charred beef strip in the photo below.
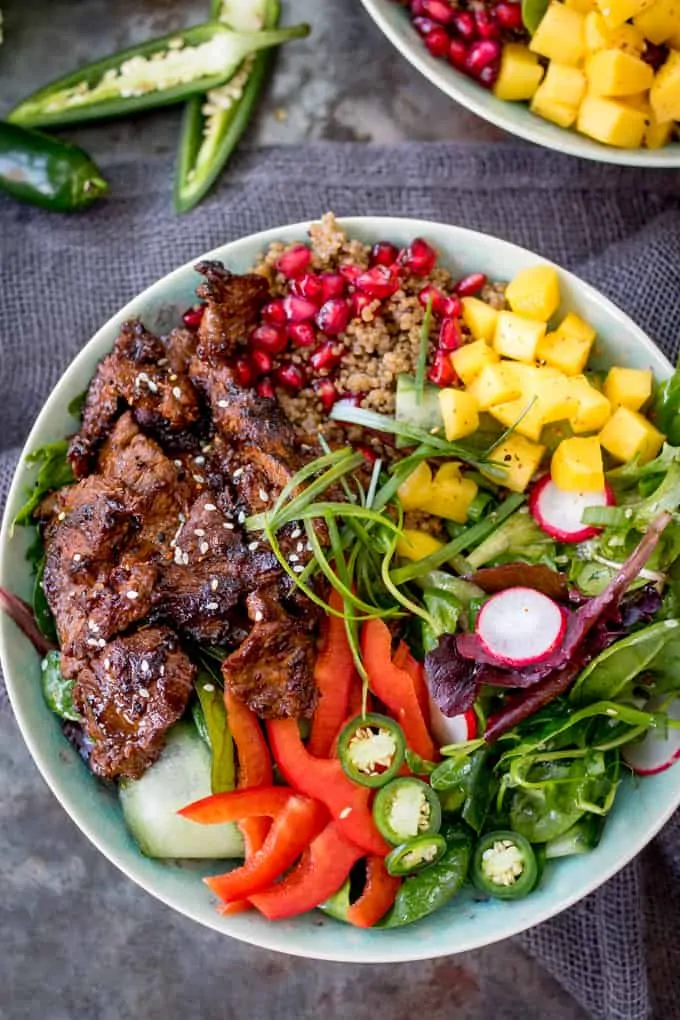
(232, 306)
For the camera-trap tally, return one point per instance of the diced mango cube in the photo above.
(496, 384)
(557, 113)
(568, 354)
(664, 95)
(599, 37)
(576, 465)
(614, 73)
(517, 337)
(479, 318)
(660, 21)
(657, 135)
(628, 387)
(416, 545)
(519, 75)
(616, 12)
(611, 122)
(560, 35)
(414, 489)
(520, 458)
(573, 325)
(450, 494)
(470, 359)
(563, 84)
(460, 413)
(546, 397)
(534, 292)
(584, 6)
(628, 434)
(593, 407)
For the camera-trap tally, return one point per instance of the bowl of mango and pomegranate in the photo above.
(354, 577)
(598, 79)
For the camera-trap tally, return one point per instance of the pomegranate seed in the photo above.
(450, 337)
(384, 254)
(327, 394)
(482, 54)
(487, 76)
(308, 286)
(437, 42)
(298, 309)
(243, 372)
(438, 10)
(275, 313)
(333, 316)
(265, 388)
(487, 26)
(438, 298)
(458, 53)
(470, 285)
(302, 334)
(465, 25)
(261, 362)
(417, 8)
(193, 316)
(419, 258)
(333, 285)
(269, 338)
(358, 301)
(326, 357)
(509, 15)
(291, 377)
(441, 372)
(451, 308)
(379, 282)
(294, 262)
(350, 272)
(368, 454)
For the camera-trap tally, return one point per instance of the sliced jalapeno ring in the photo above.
(371, 749)
(415, 854)
(504, 865)
(406, 808)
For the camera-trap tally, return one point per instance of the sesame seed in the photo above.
(259, 616)
(101, 642)
(210, 507)
(92, 626)
(61, 516)
(300, 547)
(293, 558)
(132, 595)
(107, 663)
(77, 558)
(212, 605)
(162, 363)
(199, 532)
(143, 693)
(223, 403)
(252, 546)
(176, 392)
(172, 376)
(227, 526)
(145, 666)
(162, 671)
(177, 463)
(199, 478)
(264, 496)
(237, 473)
(92, 642)
(179, 556)
(296, 533)
(214, 584)
(199, 460)
(209, 688)
(298, 569)
(241, 517)
(203, 548)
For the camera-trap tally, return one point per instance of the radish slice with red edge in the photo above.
(560, 513)
(520, 626)
(657, 751)
(454, 729)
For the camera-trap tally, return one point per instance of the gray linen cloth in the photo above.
(617, 952)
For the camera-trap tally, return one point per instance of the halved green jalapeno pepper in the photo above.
(214, 123)
(47, 172)
(159, 72)
(371, 749)
(415, 854)
(406, 808)
(504, 865)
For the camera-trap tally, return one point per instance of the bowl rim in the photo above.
(269, 936)
(490, 109)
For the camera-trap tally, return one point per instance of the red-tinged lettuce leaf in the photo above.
(454, 682)
(22, 614)
(525, 575)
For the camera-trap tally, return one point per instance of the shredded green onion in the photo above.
(422, 351)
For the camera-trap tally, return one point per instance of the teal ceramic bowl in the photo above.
(639, 811)
(515, 118)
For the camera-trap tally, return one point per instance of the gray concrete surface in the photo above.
(77, 939)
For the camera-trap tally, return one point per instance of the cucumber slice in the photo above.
(425, 414)
(180, 776)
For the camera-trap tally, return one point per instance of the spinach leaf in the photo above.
(54, 471)
(639, 513)
(57, 689)
(211, 698)
(445, 610)
(667, 408)
(608, 675)
(471, 773)
(35, 555)
(76, 406)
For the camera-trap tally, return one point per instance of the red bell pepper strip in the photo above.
(334, 673)
(320, 873)
(378, 896)
(292, 831)
(254, 765)
(233, 806)
(395, 688)
(324, 779)
(416, 670)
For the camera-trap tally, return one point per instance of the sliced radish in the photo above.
(560, 513)
(656, 752)
(520, 626)
(454, 729)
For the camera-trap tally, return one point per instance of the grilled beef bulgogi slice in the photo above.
(136, 374)
(272, 670)
(232, 307)
(129, 693)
